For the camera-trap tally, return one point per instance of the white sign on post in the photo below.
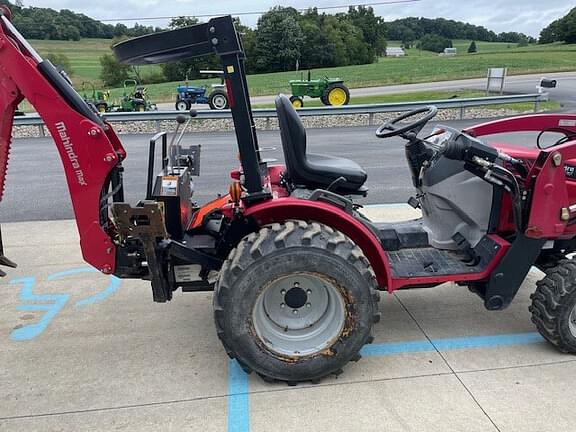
(496, 80)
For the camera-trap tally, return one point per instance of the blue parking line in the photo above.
(386, 349)
(453, 344)
(239, 402)
(238, 399)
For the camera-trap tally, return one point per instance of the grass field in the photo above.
(414, 68)
(84, 56)
(417, 66)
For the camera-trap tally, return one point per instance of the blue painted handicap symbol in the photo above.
(52, 304)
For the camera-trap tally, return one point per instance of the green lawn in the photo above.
(84, 56)
(413, 68)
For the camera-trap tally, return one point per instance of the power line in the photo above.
(158, 18)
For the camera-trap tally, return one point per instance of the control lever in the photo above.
(181, 119)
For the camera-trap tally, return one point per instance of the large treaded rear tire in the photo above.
(553, 306)
(218, 100)
(337, 88)
(288, 250)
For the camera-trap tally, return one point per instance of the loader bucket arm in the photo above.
(90, 151)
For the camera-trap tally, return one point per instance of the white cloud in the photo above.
(527, 16)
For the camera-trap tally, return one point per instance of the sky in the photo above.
(526, 16)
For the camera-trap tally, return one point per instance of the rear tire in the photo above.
(102, 108)
(554, 306)
(218, 100)
(295, 302)
(337, 95)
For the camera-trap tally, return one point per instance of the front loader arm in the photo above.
(88, 147)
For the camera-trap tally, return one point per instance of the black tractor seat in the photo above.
(311, 170)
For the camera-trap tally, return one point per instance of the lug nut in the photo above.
(295, 312)
(283, 292)
(282, 305)
(308, 305)
(309, 292)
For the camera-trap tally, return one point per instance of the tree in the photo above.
(449, 29)
(472, 48)
(61, 61)
(279, 40)
(561, 30)
(113, 72)
(434, 43)
(189, 68)
(372, 27)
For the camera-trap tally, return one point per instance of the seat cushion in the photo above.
(313, 170)
(334, 167)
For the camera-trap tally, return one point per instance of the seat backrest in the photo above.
(293, 136)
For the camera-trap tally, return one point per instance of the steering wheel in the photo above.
(394, 129)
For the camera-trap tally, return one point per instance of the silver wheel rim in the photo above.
(182, 106)
(219, 102)
(299, 315)
(572, 322)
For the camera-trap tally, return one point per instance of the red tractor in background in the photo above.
(296, 269)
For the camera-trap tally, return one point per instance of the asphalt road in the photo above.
(36, 187)
(526, 84)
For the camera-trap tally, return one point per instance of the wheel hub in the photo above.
(296, 297)
(220, 102)
(299, 315)
(337, 97)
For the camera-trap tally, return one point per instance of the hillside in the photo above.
(416, 67)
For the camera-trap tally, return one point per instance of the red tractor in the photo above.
(296, 269)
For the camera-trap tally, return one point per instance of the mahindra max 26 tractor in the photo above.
(295, 268)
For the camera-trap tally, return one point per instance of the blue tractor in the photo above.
(188, 95)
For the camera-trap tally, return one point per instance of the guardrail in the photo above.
(370, 110)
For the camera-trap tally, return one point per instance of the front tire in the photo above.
(554, 306)
(295, 302)
(297, 102)
(102, 108)
(183, 105)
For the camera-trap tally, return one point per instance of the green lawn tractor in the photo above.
(135, 99)
(98, 98)
(331, 91)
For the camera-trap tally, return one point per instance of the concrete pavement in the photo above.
(83, 351)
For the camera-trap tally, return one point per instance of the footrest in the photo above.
(429, 261)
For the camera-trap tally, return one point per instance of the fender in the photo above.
(526, 123)
(283, 209)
